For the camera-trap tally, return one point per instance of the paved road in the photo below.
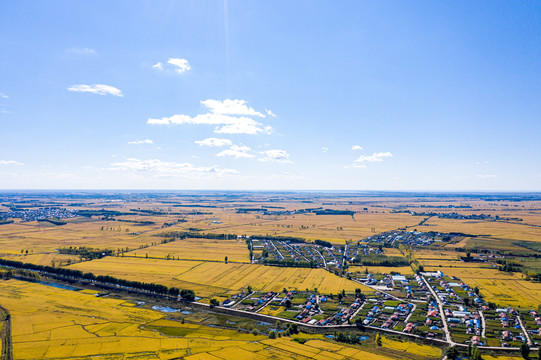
(323, 257)
(483, 324)
(442, 314)
(524, 331)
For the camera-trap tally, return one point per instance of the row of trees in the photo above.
(347, 338)
(196, 235)
(381, 260)
(85, 252)
(323, 243)
(290, 263)
(188, 295)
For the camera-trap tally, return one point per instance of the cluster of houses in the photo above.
(307, 252)
(537, 323)
(39, 214)
(311, 308)
(344, 314)
(320, 256)
(411, 238)
(253, 303)
(363, 249)
(472, 321)
(409, 328)
(401, 311)
(449, 295)
(509, 320)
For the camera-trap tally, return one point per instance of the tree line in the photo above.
(188, 295)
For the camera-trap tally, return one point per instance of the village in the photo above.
(430, 305)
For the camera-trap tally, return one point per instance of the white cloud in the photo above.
(237, 152)
(82, 51)
(356, 147)
(276, 155)
(10, 162)
(357, 166)
(484, 162)
(3, 96)
(158, 66)
(486, 176)
(270, 113)
(230, 107)
(243, 127)
(324, 149)
(97, 89)
(172, 169)
(375, 157)
(182, 65)
(214, 142)
(230, 116)
(139, 142)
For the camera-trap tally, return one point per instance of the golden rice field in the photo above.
(308, 226)
(411, 347)
(215, 278)
(198, 249)
(453, 263)
(502, 288)
(286, 348)
(51, 323)
(392, 252)
(43, 238)
(426, 254)
(44, 258)
(381, 269)
(499, 230)
(471, 243)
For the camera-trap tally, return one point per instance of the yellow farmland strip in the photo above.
(288, 345)
(198, 249)
(213, 278)
(202, 356)
(411, 348)
(236, 353)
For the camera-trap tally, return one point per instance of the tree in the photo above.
(249, 288)
(272, 334)
(173, 291)
(378, 340)
(214, 302)
(188, 295)
(475, 353)
(451, 352)
(525, 350)
(225, 259)
(288, 303)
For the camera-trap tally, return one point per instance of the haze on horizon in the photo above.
(238, 95)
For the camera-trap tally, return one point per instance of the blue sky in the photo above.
(348, 95)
